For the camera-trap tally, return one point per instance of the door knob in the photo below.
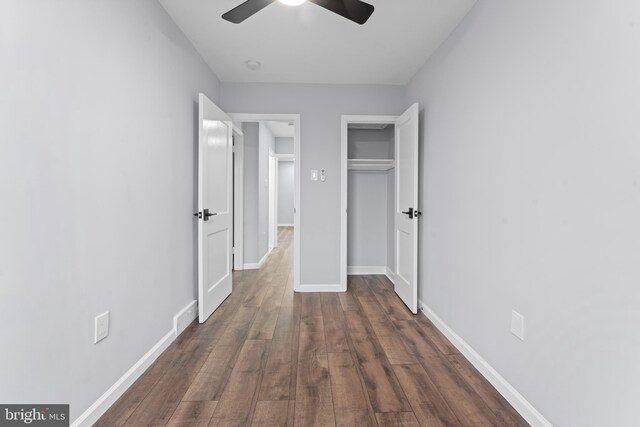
(409, 212)
(207, 214)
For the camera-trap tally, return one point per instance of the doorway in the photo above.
(263, 211)
(379, 200)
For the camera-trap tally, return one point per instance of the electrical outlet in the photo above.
(517, 324)
(101, 330)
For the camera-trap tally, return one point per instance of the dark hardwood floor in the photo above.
(270, 357)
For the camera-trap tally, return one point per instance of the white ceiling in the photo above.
(309, 44)
(280, 129)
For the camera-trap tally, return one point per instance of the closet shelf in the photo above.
(370, 164)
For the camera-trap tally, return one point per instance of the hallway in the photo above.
(270, 357)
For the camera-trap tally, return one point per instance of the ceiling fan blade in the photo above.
(245, 10)
(354, 10)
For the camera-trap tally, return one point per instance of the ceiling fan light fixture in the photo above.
(292, 2)
(356, 11)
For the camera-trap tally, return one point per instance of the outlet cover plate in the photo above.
(101, 327)
(517, 324)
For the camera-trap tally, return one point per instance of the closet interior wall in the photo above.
(370, 248)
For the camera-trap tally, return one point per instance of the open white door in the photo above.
(215, 207)
(406, 207)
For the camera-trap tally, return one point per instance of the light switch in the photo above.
(314, 175)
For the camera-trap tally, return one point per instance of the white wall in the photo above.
(371, 143)
(367, 219)
(251, 192)
(320, 107)
(284, 145)
(531, 191)
(97, 172)
(258, 139)
(286, 175)
(266, 143)
(285, 192)
(391, 218)
(368, 200)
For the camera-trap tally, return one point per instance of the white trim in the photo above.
(257, 265)
(285, 225)
(344, 176)
(390, 275)
(334, 287)
(519, 403)
(238, 198)
(295, 118)
(365, 270)
(104, 402)
(185, 317)
(285, 157)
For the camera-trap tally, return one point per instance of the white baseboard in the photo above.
(104, 402)
(519, 403)
(334, 287)
(390, 275)
(285, 225)
(256, 266)
(185, 317)
(365, 270)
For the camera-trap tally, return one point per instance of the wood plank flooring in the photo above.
(271, 357)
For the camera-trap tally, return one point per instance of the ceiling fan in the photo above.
(354, 10)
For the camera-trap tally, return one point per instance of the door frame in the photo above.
(295, 118)
(346, 120)
(238, 198)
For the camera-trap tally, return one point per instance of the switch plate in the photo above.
(314, 175)
(101, 330)
(517, 324)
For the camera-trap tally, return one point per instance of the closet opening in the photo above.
(380, 210)
(368, 196)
